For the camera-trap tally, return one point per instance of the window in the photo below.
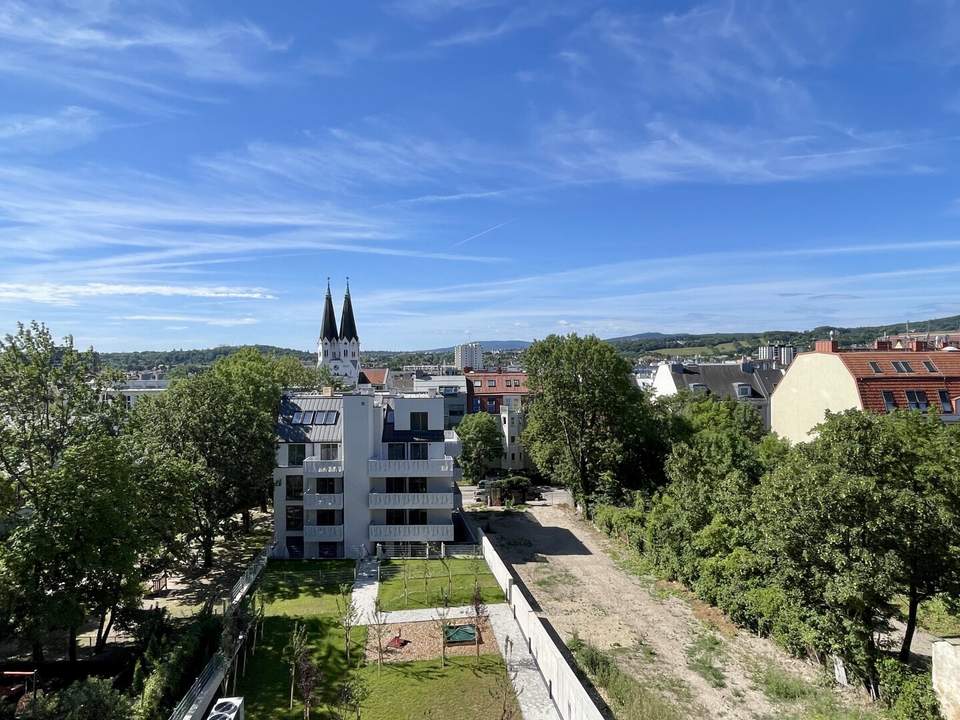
(930, 366)
(513, 457)
(297, 417)
(889, 401)
(875, 366)
(491, 383)
(418, 421)
(327, 517)
(902, 366)
(326, 486)
(295, 487)
(491, 405)
(418, 451)
(945, 405)
(396, 517)
(329, 451)
(296, 453)
(917, 400)
(476, 404)
(418, 485)
(396, 451)
(513, 438)
(456, 412)
(743, 391)
(294, 517)
(698, 387)
(396, 485)
(328, 417)
(449, 390)
(307, 418)
(416, 517)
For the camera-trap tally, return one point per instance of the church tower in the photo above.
(339, 351)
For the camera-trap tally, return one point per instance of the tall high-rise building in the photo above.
(469, 355)
(339, 351)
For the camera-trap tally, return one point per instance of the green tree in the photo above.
(587, 416)
(482, 444)
(91, 699)
(290, 372)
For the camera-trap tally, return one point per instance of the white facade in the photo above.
(378, 469)
(453, 389)
(512, 423)
(469, 355)
(133, 390)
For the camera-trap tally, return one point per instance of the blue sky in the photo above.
(189, 174)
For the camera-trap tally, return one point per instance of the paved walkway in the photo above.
(365, 590)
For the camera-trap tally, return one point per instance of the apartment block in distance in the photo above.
(469, 355)
(882, 379)
(362, 469)
(502, 393)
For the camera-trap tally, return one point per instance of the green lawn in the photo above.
(457, 574)
(305, 591)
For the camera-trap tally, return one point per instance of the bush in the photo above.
(91, 699)
(907, 692)
(624, 524)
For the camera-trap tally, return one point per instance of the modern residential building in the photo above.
(502, 393)
(362, 469)
(453, 390)
(469, 355)
(782, 354)
(879, 380)
(133, 390)
(339, 350)
(743, 381)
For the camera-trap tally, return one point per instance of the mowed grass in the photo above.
(428, 579)
(298, 591)
(464, 690)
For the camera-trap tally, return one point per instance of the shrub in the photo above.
(91, 699)
(907, 692)
(623, 523)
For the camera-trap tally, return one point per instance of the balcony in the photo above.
(411, 533)
(321, 501)
(441, 467)
(452, 446)
(323, 533)
(399, 501)
(315, 467)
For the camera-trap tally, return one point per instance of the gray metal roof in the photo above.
(722, 380)
(309, 402)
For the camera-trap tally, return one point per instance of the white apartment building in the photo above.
(356, 470)
(453, 389)
(469, 355)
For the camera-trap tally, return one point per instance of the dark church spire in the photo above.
(328, 330)
(348, 327)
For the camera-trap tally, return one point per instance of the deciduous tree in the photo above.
(482, 443)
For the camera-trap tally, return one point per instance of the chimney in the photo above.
(882, 345)
(826, 346)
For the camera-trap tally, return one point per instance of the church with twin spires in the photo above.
(339, 351)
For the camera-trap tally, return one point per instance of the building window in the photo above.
(456, 412)
(698, 387)
(396, 484)
(491, 405)
(418, 421)
(513, 457)
(295, 454)
(396, 517)
(327, 517)
(875, 366)
(743, 391)
(491, 383)
(889, 401)
(307, 418)
(513, 438)
(418, 451)
(326, 486)
(917, 400)
(294, 517)
(297, 417)
(417, 485)
(295, 487)
(416, 517)
(476, 404)
(902, 366)
(396, 451)
(329, 451)
(945, 405)
(930, 366)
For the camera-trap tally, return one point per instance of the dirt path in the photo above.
(653, 632)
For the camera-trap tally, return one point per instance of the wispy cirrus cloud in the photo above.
(193, 319)
(32, 133)
(66, 294)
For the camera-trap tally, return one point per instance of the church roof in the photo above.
(348, 327)
(328, 330)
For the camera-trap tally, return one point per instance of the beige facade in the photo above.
(814, 383)
(946, 676)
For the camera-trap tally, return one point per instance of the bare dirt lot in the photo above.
(683, 649)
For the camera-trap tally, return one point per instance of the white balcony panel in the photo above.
(321, 501)
(440, 467)
(451, 444)
(399, 501)
(411, 533)
(315, 467)
(323, 533)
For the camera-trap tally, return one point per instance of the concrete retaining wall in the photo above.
(566, 690)
(946, 676)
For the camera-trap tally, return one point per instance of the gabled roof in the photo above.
(373, 376)
(328, 328)
(348, 326)
(722, 380)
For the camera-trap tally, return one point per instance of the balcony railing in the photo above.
(425, 500)
(323, 501)
(411, 533)
(440, 467)
(315, 467)
(323, 533)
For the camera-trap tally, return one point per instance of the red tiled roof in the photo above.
(480, 383)
(374, 376)
(871, 384)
